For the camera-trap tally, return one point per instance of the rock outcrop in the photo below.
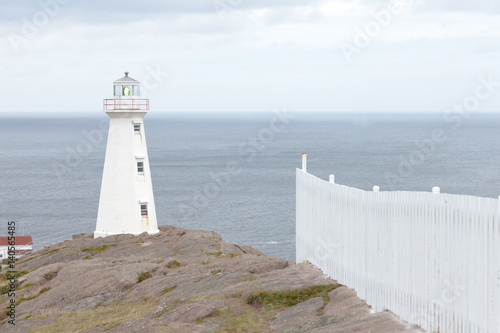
(180, 281)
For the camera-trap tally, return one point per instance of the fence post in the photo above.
(304, 162)
(332, 179)
(436, 190)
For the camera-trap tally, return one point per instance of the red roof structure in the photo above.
(20, 241)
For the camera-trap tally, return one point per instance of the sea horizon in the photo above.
(54, 194)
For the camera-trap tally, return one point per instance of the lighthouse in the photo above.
(126, 205)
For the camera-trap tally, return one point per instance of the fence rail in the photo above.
(433, 259)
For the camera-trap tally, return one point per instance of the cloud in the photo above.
(284, 52)
(466, 6)
(483, 6)
(92, 10)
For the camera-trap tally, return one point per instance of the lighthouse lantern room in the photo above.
(126, 87)
(126, 204)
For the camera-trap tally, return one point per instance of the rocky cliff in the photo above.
(180, 281)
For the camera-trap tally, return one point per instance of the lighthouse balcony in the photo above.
(121, 104)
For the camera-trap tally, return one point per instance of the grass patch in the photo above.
(215, 272)
(173, 264)
(44, 290)
(287, 298)
(144, 276)
(96, 250)
(235, 294)
(214, 254)
(248, 321)
(247, 317)
(92, 251)
(239, 247)
(205, 262)
(18, 274)
(6, 287)
(175, 250)
(28, 257)
(49, 276)
(54, 251)
(167, 290)
(103, 317)
(24, 286)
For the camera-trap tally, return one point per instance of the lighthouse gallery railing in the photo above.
(126, 104)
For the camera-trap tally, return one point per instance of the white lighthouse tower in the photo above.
(127, 203)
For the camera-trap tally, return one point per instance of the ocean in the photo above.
(235, 173)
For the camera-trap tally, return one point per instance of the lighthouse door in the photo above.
(144, 217)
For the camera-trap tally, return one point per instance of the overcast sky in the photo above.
(250, 55)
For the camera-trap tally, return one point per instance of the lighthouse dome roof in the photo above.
(127, 79)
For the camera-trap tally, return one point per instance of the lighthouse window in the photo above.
(140, 168)
(144, 211)
(137, 129)
(136, 91)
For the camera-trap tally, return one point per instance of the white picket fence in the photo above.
(433, 259)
